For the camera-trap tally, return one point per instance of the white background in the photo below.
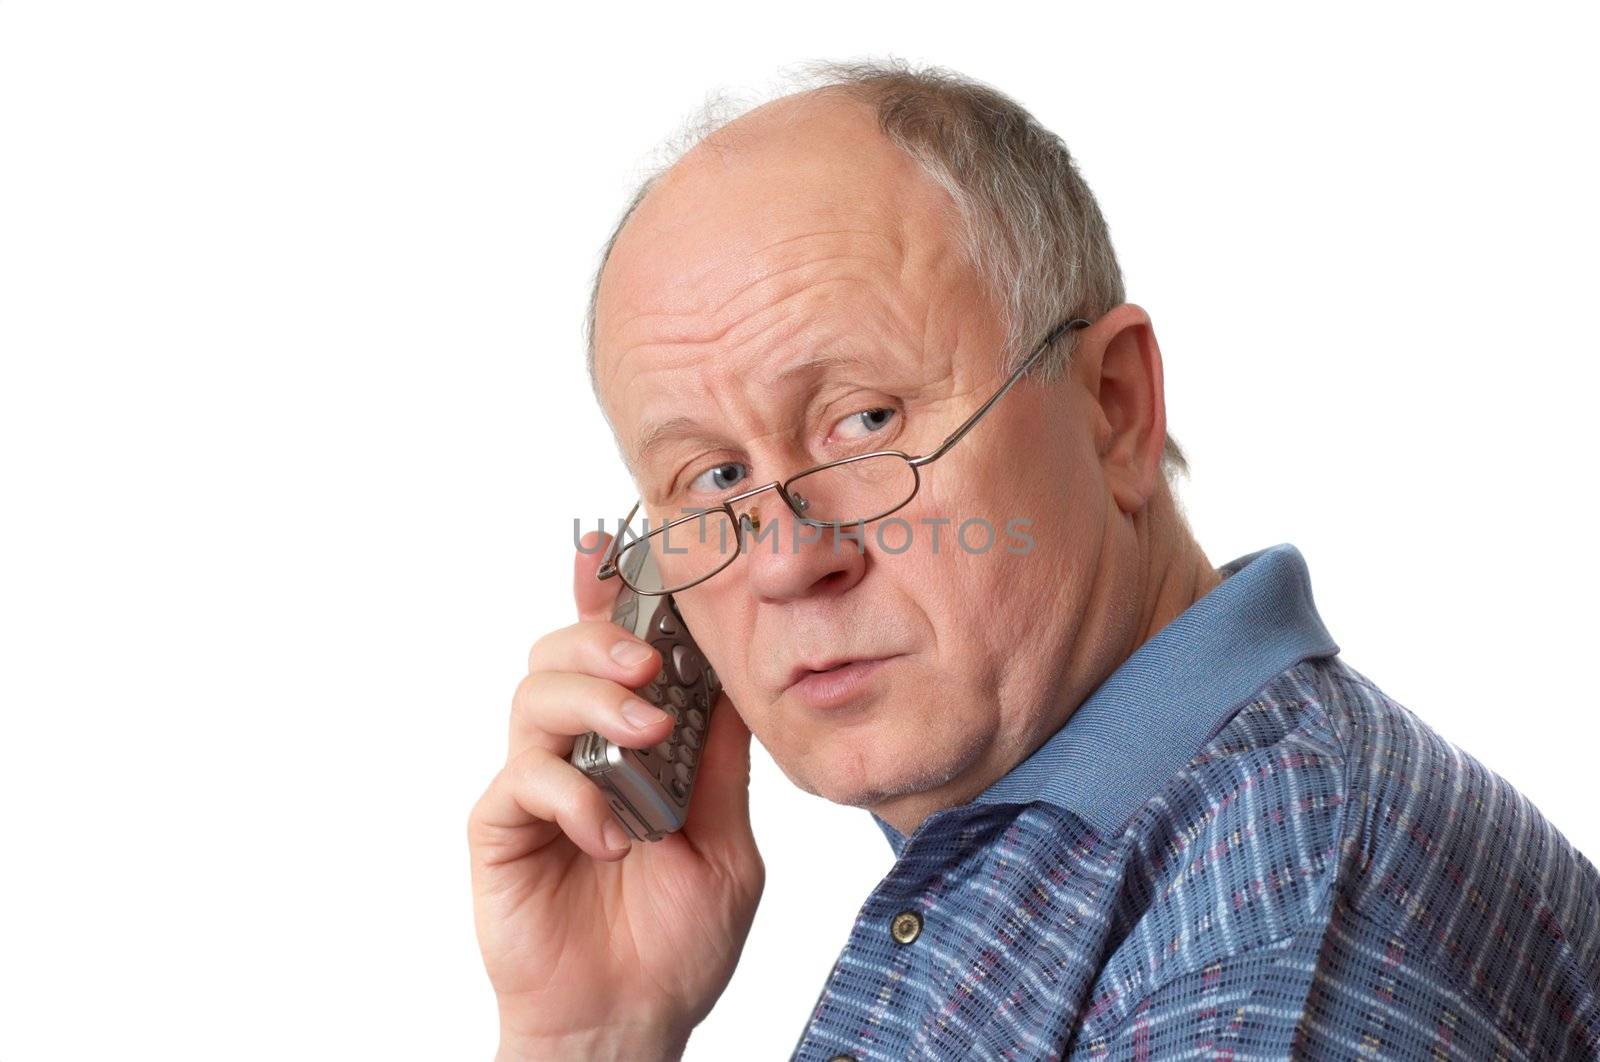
(293, 424)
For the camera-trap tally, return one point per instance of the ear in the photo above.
(1121, 365)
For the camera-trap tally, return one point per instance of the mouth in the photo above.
(832, 683)
(800, 671)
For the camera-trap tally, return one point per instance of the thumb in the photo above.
(719, 808)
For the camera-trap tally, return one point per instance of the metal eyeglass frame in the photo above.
(608, 566)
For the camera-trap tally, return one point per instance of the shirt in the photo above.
(1238, 846)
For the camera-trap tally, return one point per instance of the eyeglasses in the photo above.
(850, 491)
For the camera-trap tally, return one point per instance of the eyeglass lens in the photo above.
(687, 552)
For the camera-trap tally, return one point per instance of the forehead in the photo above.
(678, 403)
(809, 240)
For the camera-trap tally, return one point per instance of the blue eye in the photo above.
(872, 420)
(722, 477)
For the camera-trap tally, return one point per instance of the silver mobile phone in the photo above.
(648, 789)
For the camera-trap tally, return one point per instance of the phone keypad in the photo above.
(650, 787)
(683, 689)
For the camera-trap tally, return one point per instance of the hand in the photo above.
(597, 947)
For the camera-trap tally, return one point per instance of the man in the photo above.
(1139, 805)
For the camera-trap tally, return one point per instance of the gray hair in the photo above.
(1030, 225)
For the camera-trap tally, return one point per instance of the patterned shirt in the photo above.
(1236, 847)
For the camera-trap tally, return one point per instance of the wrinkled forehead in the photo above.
(755, 266)
(814, 313)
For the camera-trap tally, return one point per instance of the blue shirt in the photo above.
(1236, 847)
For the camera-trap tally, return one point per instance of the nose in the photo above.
(786, 558)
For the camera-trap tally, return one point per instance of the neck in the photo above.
(1174, 570)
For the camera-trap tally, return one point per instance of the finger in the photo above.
(596, 647)
(534, 797)
(550, 708)
(719, 808)
(594, 597)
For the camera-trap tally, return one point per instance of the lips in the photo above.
(800, 671)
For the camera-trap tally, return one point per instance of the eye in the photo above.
(719, 477)
(870, 421)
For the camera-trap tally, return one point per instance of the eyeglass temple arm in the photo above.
(1055, 333)
(608, 566)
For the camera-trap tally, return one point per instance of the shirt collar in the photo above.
(1167, 699)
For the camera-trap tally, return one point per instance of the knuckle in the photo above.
(526, 772)
(546, 649)
(551, 701)
(543, 777)
(478, 833)
(524, 701)
(524, 780)
(529, 688)
(538, 652)
(567, 806)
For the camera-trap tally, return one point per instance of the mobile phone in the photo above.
(649, 788)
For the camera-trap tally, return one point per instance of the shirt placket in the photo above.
(880, 986)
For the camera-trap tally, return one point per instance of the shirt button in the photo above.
(842, 1058)
(906, 926)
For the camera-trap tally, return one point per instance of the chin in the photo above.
(858, 770)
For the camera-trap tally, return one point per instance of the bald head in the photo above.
(1027, 222)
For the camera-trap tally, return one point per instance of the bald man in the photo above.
(1138, 803)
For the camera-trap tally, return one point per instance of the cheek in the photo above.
(1000, 590)
(1023, 485)
(957, 597)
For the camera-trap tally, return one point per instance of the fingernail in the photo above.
(642, 713)
(630, 654)
(616, 840)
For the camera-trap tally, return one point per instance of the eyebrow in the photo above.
(668, 431)
(681, 427)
